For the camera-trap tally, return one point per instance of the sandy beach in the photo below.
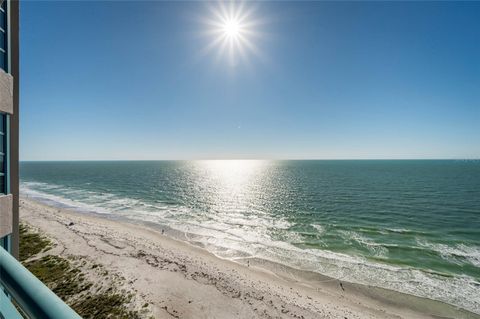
(178, 280)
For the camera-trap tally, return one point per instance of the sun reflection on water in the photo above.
(232, 194)
(232, 183)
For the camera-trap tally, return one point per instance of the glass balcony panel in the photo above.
(3, 38)
(3, 60)
(2, 20)
(2, 185)
(2, 123)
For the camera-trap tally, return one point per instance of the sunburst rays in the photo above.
(232, 32)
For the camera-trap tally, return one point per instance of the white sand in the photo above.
(179, 280)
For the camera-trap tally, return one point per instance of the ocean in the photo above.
(412, 226)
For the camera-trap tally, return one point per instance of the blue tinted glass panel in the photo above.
(3, 20)
(3, 36)
(3, 139)
(3, 119)
(3, 61)
(2, 40)
(2, 185)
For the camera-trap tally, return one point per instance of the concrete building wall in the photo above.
(6, 92)
(6, 215)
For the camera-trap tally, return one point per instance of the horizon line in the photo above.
(255, 159)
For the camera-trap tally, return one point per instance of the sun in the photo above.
(232, 28)
(233, 31)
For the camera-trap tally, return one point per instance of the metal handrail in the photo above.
(32, 296)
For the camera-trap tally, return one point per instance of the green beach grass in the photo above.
(68, 278)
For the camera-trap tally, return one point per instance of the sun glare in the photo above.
(232, 30)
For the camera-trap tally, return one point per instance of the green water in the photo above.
(411, 226)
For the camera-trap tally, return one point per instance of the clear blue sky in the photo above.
(120, 80)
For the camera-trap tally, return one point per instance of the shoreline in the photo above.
(182, 280)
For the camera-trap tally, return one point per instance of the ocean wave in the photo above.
(459, 254)
(320, 229)
(401, 230)
(377, 249)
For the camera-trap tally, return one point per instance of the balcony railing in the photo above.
(33, 298)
